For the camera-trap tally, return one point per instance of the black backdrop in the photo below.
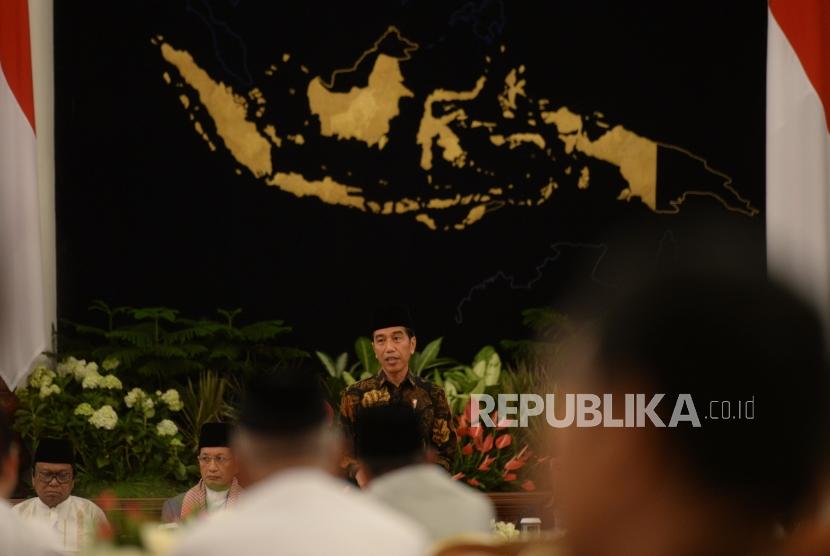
(147, 215)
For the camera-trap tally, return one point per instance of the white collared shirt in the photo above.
(304, 511)
(427, 494)
(74, 521)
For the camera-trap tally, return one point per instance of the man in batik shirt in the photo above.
(393, 340)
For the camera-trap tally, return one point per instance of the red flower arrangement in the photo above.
(489, 459)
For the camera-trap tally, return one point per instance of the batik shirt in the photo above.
(426, 398)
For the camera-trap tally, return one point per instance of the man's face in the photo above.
(53, 482)
(393, 348)
(218, 467)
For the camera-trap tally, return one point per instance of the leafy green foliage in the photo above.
(160, 345)
(460, 382)
(548, 330)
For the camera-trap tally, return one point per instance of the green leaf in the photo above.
(265, 330)
(348, 378)
(427, 356)
(155, 313)
(366, 355)
(342, 362)
(224, 351)
(327, 362)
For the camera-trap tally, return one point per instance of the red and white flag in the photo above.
(23, 330)
(798, 147)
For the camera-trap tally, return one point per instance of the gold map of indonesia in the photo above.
(364, 113)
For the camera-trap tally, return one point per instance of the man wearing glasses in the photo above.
(74, 520)
(218, 489)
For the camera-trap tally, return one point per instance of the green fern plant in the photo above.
(157, 343)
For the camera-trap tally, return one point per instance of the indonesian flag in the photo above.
(23, 330)
(798, 147)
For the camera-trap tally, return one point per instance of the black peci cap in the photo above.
(214, 435)
(54, 450)
(392, 315)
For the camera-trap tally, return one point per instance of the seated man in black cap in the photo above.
(394, 343)
(295, 505)
(391, 452)
(218, 489)
(75, 520)
(16, 537)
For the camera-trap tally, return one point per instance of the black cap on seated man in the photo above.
(392, 453)
(75, 519)
(750, 356)
(218, 488)
(394, 342)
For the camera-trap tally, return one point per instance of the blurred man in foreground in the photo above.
(17, 537)
(218, 488)
(294, 505)
(728, 485)
(392, 453)
(75, 520)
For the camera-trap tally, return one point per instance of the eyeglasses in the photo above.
(220, 460)
(62, 477)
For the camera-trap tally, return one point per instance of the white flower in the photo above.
(91, 381)
(504, 529)
(172, 399)
(147, 406)
(177, 443)
(110, 363)
(48, 389)
(84, 409)
(134, 396)
(68, 366)
(111, 382)
(104, 418)
(166, 427)
(79, 369)
(41, 376)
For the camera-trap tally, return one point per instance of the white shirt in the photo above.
(428, 494)
(24, 539)
(74, 521)
(303, 512)
(216, 499)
